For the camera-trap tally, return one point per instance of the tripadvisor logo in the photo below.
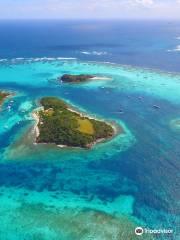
(139, 231)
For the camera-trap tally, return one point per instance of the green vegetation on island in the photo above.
(69, 78)
(3, 96)
(59, 124)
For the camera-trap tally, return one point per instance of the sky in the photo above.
(89, 9)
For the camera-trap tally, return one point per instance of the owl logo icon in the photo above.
(139, 231)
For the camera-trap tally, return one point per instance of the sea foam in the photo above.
(96, 53)
(176, 49)
(36, 59)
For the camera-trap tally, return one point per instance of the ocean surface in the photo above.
(49, 193)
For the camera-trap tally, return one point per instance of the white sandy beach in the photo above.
(36, 118)
(101, 78)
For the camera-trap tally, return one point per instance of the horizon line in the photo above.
(87, 19)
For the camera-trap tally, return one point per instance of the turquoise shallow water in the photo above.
(128, 181)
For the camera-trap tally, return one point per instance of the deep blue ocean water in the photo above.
(103, 193)
(135, 43)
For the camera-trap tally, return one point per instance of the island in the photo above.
(69, 78)
(60, 124)
(72, 78)
(3, 96)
